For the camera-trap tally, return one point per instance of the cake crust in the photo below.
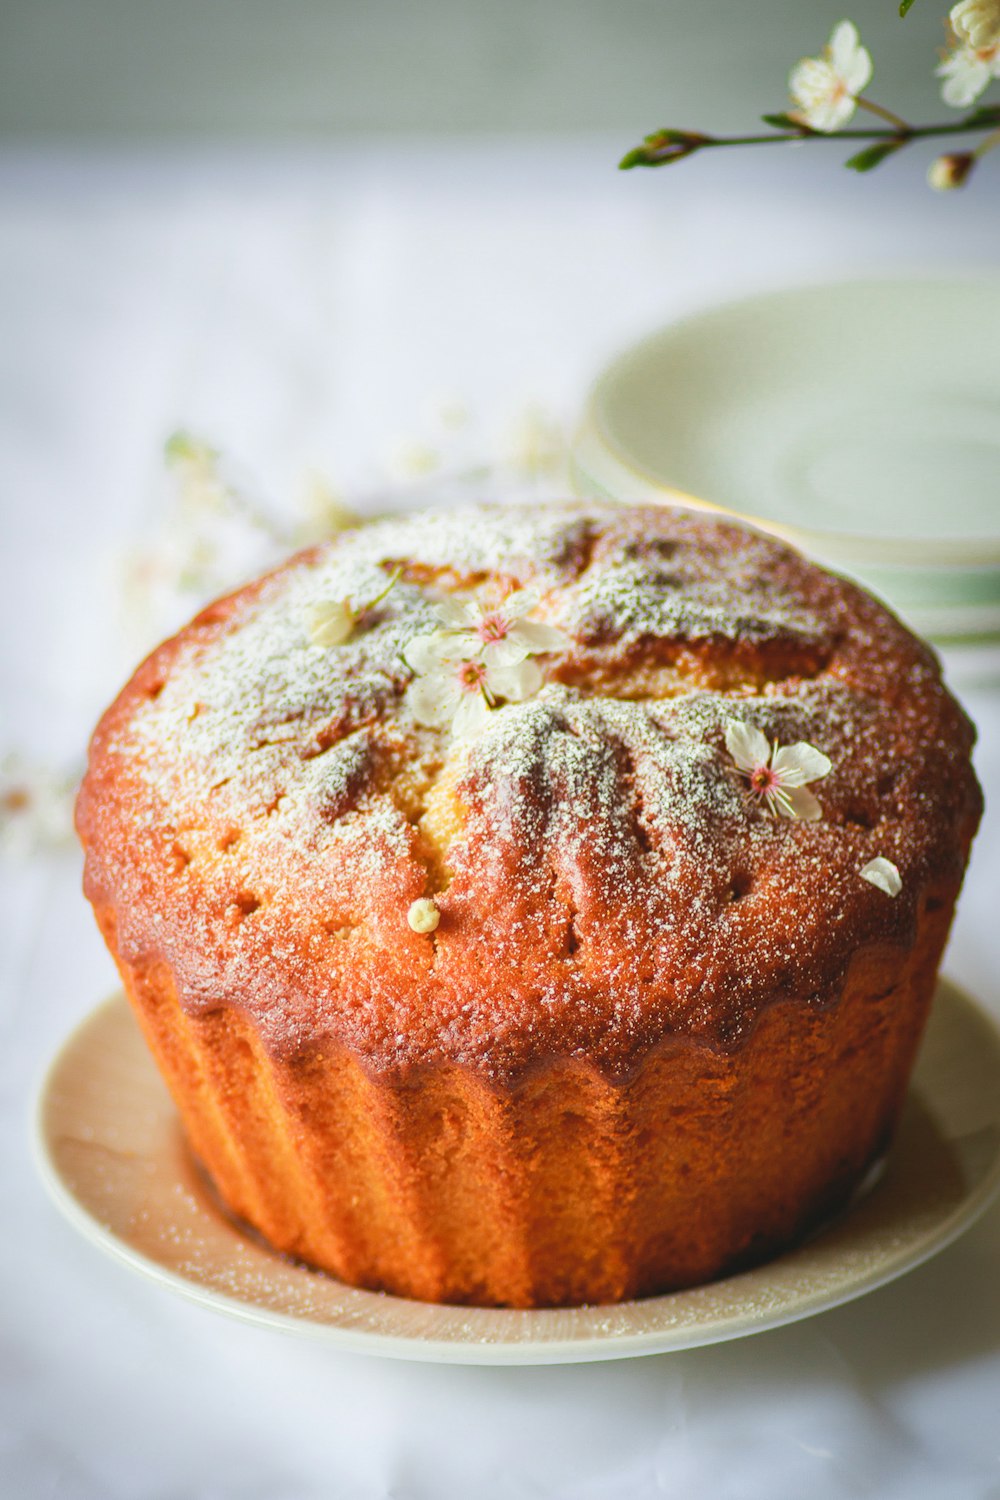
(260, 813)
(656, 1033)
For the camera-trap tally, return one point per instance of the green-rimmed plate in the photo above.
(858, 419)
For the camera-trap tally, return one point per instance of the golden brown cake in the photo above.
(595, 994)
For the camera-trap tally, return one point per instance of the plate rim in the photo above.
(594, 440)
(588, 1348)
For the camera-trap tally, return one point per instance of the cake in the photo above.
(533, 906)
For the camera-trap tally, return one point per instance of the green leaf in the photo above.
(871, 156)
(986, 116)
(904, 6)
(637, 157)
(782, 122)
(661, 148)
(646, 156)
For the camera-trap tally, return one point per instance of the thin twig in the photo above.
(666, 146)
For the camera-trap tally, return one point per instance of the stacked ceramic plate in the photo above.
(860, 420)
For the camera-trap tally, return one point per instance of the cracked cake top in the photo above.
(595, 864)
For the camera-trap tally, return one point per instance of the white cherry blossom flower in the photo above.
(883, 874)
(458, 689)
(482, 654)
(778, 774)
(967, 71)
(825, 89)
(499, 631)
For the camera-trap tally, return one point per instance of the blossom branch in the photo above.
(826, 90)
(666, 146)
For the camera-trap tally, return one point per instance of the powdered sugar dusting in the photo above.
(602, 877)
(687, 592)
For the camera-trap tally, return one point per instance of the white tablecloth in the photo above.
(316, 308)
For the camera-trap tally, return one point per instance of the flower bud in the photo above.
(423, 915)
(330, 624)
(951, 170)
(976, 23)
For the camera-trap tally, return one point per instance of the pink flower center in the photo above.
(763, 780)
(493, 627)
(472, 676)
